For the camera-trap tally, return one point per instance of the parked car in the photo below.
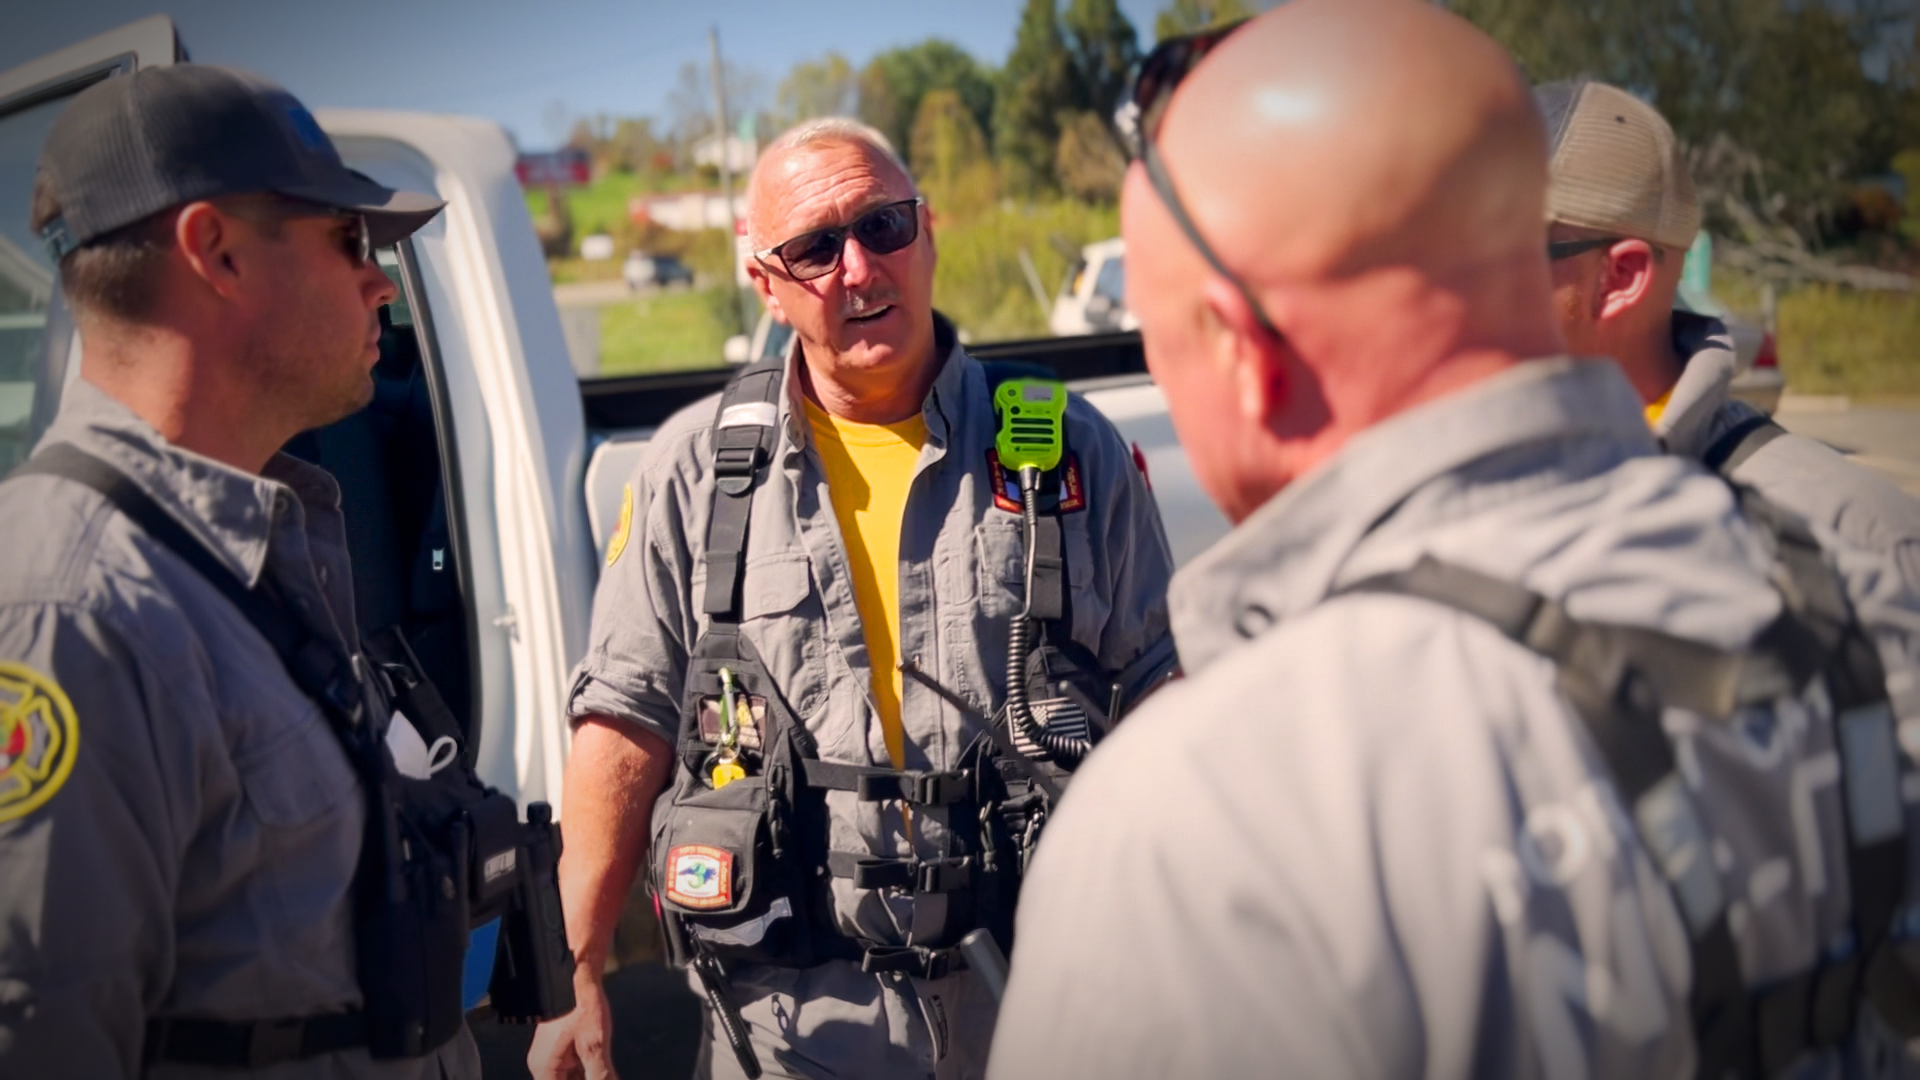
(1093, 296)
(660, 271)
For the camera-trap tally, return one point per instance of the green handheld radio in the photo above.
(1032, 423)
(1032, 441)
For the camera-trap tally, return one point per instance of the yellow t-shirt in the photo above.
(1655, 408)
(869, 469)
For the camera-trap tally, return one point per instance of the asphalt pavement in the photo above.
(1883, 438)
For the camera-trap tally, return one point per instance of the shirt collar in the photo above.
(1296, 549)
(231, 512)
(943, 397)
(1687, 424)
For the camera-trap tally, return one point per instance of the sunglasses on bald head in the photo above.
(882, 230)
(1138, 121)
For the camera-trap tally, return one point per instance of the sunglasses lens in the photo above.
(1161, 72)
(809, 256)
(888, 229)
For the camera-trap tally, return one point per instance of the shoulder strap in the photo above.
(745, 432)
(321, 671)
(1603, 672)
(1742, 441)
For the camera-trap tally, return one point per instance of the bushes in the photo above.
(979, 283)
(1834, 340)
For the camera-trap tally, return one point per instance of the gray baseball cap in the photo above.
(134, 145)
(1616, 165)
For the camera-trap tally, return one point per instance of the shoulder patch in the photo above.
(39, 739)
(618, 543)
(700, 877)
(1006, 486)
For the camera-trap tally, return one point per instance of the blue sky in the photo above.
(512, 60)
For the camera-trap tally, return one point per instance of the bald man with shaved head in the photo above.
(1414, 811)
(820, 827)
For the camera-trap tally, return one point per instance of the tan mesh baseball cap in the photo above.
(1616, 166)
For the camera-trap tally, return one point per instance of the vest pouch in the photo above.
(716, 874)
(412, 925)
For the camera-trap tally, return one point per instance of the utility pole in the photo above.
(726, 168)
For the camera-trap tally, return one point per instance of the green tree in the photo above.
(1038, 89)
(894, 82)
(949, 155)
(1192, 16)
(1089, 162)
(825, 87)
(1104, 47)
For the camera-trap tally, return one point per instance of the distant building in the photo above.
(687, 212)
(741, 153)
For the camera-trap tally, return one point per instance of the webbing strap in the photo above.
(1046, 571)
(745, 432)
(873, 784)
(919, 875)
(1618, 679)
(319, 668)
(1732, 450)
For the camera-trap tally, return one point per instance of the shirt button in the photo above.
(1253, 621)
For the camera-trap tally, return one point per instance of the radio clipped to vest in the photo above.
(441, 855)
(743, 869)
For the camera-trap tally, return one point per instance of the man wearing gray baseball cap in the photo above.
(1622, 213)
(180, 823)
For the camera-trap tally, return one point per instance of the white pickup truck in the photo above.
(482, 483)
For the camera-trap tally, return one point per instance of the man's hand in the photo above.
(613, 776)
(579, 1044)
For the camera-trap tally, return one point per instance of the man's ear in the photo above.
(208, 241)
(1626, 277)
(1241, 344)
(763, 285)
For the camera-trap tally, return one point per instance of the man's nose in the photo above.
(856, 264)
(384, 291)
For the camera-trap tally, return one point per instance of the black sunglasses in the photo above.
(882, 230)
(1567, 249)
(1138, 121)
(356, 240)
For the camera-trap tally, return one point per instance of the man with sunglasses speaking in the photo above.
(1622, 212)
(789, 550)
(1415, 809)
(180, 828)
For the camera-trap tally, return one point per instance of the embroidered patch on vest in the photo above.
(700, 877)
(1006, 485)
(39, 739)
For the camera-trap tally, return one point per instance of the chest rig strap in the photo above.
(1619, 679)
(744, 436)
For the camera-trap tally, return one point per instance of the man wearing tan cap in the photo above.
(1622, 213)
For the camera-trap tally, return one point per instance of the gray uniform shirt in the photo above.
(1366, 837)
(962, 576)
(188, 850)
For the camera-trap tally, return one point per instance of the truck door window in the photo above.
(31, 365)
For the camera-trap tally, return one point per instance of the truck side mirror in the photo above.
(735, 350)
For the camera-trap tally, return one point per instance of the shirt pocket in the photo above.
(297, 775)
(1000, 558)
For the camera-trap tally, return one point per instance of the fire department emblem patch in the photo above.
(700, 877)
(39, 739)
(1006, 486)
